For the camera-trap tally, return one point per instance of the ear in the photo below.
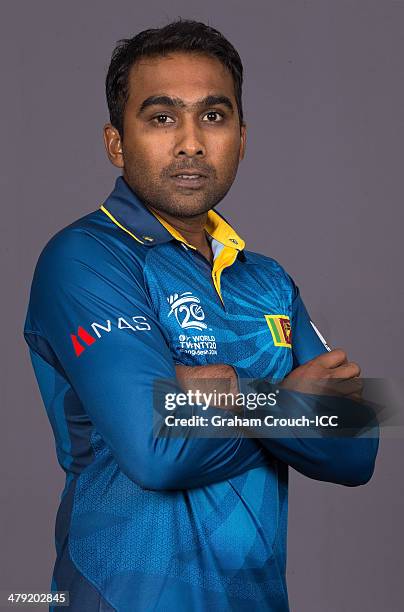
(243, 139)
(113, 145)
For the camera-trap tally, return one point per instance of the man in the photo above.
(157, 285)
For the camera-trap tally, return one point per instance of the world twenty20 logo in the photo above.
(187, 310)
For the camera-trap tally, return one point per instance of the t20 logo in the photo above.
(187, 310)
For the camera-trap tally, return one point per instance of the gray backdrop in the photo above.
(320, 190)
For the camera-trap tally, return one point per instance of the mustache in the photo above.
(194, 165)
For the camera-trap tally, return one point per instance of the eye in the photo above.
(162, 119)
(213, 117)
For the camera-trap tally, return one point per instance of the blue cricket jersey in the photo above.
(150, 523)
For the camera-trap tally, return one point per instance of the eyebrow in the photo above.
(163, 100)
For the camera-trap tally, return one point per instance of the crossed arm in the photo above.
(348, 461)
(113, 378)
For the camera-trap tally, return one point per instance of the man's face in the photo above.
(181, 118)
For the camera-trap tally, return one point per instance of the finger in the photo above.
(331, 359)
(345, 386)
(336, 386)
(356, 397)
(348, 370)
(182, 370)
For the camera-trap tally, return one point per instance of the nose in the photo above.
(189, 141)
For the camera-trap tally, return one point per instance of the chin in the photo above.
(192, 211)
(184, 207)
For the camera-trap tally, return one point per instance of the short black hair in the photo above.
(180, 35)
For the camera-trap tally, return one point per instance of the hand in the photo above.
(328, 374)
(218, 377)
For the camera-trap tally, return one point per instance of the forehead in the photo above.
(184, 75)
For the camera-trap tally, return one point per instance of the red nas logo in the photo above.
(83, 338)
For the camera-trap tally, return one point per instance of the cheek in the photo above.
(226, 153)
(148, 153)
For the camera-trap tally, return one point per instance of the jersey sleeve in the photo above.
(90, 317)
(307, 342)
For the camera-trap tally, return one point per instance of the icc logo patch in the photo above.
(280, 329)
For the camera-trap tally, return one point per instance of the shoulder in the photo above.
(269, 266)
(89, 243)
(87, 266)
(87, 258)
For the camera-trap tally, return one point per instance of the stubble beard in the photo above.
(154, 193)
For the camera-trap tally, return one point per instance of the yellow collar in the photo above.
(215, 226)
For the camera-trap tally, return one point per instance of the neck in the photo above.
(191, 228)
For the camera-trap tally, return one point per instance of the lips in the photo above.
(191, 179)
(189, 174)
